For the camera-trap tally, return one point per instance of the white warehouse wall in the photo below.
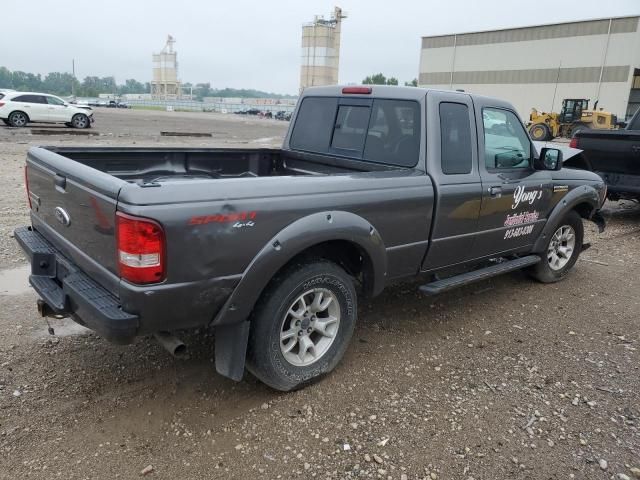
(580, 58)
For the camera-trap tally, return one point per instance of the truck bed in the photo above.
(145, 166)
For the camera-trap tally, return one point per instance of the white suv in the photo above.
(19, 108)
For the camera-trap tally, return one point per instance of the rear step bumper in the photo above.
(450, 283)
(67, 291)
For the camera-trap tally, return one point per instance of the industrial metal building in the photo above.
(538, 66)
(321, 50)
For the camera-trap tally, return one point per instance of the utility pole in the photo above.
(73, 81)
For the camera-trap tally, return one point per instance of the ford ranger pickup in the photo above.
(274, 248)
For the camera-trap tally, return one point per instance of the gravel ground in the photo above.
(504, 379)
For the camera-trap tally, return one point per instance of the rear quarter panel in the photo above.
(215, 228)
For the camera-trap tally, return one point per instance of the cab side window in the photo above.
(506, 143)
(455, 138)
(54, 101)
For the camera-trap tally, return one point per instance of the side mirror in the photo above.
(550, 159)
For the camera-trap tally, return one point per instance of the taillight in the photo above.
(357, 90)
(26, 185)
(574, 142)
(1, 104)
(141, 249)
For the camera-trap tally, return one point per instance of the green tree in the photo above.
(59, 83)
(380, 79)
(412, 83)
(27, 82)
(131, 86)
(6, 79)
(202, 90)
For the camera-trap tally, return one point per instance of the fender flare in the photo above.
(582, 194)
(294, 239)
(231, 322)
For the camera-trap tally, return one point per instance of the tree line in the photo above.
(65, 84)
(380, 79)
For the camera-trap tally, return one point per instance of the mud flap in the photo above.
(231, 349)
(598, 219)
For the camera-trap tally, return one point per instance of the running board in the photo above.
(456, 281)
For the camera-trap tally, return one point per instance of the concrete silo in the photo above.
(165, 84)
(321, 50)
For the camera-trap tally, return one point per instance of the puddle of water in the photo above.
(15, 281)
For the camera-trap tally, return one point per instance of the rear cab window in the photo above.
(383, 131)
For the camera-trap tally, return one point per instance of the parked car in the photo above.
(614, 155)
(283, 115)
(17, 109)
(274, 248)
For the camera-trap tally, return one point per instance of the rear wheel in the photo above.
(302, 325)
(80, 120)
(18, 119)
(540, 132)
(561, 251)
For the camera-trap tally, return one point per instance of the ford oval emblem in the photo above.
(62, 216)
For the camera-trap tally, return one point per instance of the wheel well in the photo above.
(584, 210)
(350, 256)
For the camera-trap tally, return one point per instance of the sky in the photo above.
(255, 44)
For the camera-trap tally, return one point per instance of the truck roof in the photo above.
(392, 91)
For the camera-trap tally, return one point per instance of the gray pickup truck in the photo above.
(272, 248)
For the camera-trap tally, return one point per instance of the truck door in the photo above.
(516, 199)
(452, 163)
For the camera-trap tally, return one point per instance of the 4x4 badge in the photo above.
(62, 216)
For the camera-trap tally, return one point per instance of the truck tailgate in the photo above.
(73, 206)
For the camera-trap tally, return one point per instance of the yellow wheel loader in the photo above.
(574, 117)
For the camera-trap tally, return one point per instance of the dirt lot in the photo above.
(505, 379)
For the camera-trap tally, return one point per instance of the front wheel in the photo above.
(302, 325)
(540, 132)
(80, 120)
(561, 251)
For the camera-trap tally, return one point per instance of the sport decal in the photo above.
(240, 219)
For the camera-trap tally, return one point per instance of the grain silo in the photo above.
(321, 50)
(165, 84)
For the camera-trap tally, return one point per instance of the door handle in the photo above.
(495, 191)
(635, 148)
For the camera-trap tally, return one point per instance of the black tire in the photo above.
(265, 357)
(540, 132)
(18, 119)
(6, 122)
(543, 271)
(80, 120)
